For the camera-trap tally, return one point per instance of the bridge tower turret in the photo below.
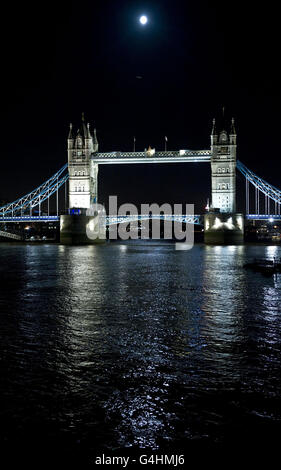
(80, 147)
(223, 166)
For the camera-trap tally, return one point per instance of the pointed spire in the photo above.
(223, 126)
(83, 128)
(70, 134)
(232, 129)
(95, 136)
(88, 133)
(95, 141)
(214, 127)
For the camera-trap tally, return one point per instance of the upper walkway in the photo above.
(151, 156)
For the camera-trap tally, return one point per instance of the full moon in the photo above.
(143, 19)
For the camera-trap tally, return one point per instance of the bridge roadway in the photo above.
(30, 218)
(110, 220)
(151, 156)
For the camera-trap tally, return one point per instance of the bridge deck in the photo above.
(179, 156)
(30, 218)
(270, 217)
(117, 219)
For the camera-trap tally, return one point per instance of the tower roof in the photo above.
(83, 132)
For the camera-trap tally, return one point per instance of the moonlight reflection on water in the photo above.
(123, 348)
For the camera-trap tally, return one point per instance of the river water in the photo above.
(135, 348)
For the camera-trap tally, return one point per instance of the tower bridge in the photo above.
(79, 178)
(84, 159)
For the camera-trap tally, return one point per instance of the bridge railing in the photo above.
(205, 155)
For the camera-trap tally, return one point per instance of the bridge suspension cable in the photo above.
(37, 196)
(271, 193)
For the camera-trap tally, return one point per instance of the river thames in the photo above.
(125, 349)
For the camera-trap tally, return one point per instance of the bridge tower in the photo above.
(80, 147)
(223, 167)
(79, 225)
(222, 224)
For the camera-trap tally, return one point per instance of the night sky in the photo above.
(60, 59)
